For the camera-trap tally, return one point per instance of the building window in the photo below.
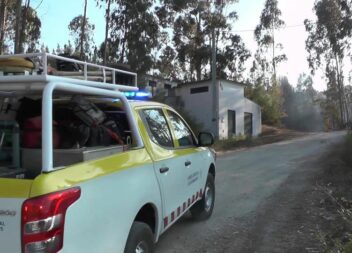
(167, 86)
(199, 89)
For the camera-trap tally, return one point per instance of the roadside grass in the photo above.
(337, 204)
(269, 135)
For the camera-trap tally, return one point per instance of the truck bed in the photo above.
(32, 158)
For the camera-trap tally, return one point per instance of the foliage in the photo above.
(75, 28)
(302, 112)
(67, 49)
(270, 101)
(167, 63)
(104, 50)
(194, 24)
(328, 45)
(31, 31)
(232, 58)
(265, 32)
(30, 24)
(134, 34)
(6, 9)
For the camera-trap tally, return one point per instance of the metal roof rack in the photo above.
(91, 75)
(45, 83)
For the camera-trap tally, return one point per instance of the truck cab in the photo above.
(118, 173)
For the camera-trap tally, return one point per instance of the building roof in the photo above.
(180, 85)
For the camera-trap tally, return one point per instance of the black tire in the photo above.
(140, 236)
(203, 209)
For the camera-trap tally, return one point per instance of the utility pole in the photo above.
(217, 8)
(215, 102)
(213, 78)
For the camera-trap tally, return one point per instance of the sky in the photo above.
(56, 15)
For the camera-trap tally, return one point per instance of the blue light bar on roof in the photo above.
(137, 94)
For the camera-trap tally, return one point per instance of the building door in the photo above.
(231, 123)
(248, 124)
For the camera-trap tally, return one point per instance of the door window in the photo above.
(183, 134)
(158, 128)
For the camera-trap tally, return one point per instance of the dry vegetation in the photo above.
(335, 228)
(269, 135)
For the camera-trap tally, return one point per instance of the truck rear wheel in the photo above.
(140, 239)
(203, 209)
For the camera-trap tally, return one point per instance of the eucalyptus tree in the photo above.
(270, 22)
(23, 27)
(105, 45)
(20, 26)
(232, 59)
(83, 28)
(83, 38)
(6, 7)
(167, 64)
(193, 23)
(328, 45)
(135, 33)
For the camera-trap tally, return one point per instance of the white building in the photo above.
(232, 114)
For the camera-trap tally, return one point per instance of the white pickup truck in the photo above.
(94, 198)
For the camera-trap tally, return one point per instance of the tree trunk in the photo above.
(82, 55)
(18, 25)
(3, 17)
(23, 27)
(274, 63)
(107, 17)
(198, 45)
(340, 90)
(122, 57)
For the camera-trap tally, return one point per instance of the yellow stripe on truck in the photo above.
(15, 188)
(82, 172)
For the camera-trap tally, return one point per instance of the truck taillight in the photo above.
(43, 220)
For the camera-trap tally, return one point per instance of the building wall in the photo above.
(199, 105)
(251, 107)
(230, 97)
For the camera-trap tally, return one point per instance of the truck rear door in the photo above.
(13, 192)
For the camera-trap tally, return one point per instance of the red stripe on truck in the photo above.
(183, 207)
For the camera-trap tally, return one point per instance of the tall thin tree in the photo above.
(3, 15)
(18, 25)
(82, 55)
(23, 26)
(265, 32)
(107, 24)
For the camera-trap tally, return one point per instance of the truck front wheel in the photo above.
(203, 209)
(140, 239)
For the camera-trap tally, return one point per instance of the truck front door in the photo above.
(175, 168)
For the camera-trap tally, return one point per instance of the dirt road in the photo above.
(260, 200)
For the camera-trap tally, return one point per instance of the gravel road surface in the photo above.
(260, 195)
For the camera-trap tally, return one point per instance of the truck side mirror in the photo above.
(205, 139)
